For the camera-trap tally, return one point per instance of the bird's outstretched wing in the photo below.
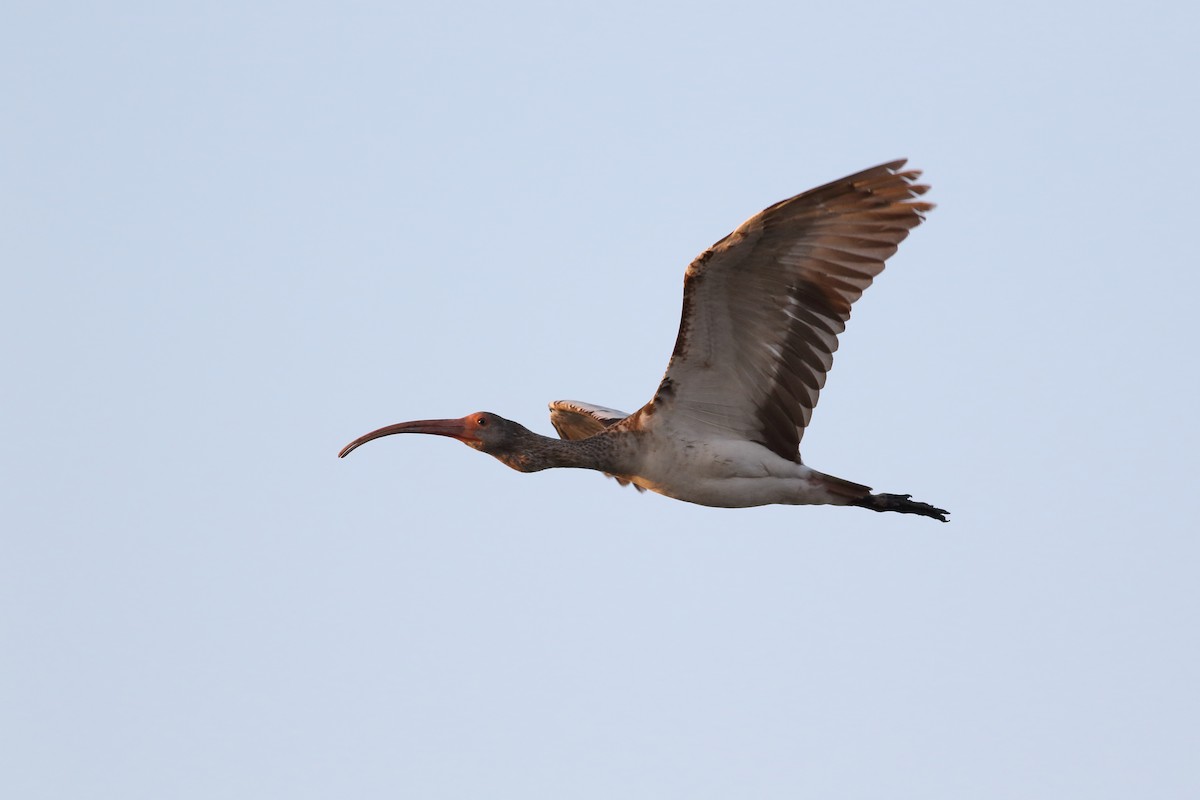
(762, 308)
(575, 420)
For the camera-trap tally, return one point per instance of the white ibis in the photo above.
(762, 309)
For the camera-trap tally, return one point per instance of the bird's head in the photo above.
(483, 430)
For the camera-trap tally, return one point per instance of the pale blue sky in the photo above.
(237, 236)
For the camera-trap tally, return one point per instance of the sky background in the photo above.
(236, 236)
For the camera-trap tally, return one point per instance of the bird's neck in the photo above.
(600, 452)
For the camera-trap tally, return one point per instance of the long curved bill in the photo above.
(456, 428)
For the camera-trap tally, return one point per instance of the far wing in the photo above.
(575, 420)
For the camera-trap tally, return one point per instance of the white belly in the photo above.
(730, 474)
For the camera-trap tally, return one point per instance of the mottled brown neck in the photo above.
(533, 452)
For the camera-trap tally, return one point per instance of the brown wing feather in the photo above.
(575, 420)
(762, 308)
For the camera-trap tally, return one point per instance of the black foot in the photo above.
(904, 504)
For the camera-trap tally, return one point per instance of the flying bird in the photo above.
(762, 309)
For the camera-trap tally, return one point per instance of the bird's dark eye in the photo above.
(481, 421)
